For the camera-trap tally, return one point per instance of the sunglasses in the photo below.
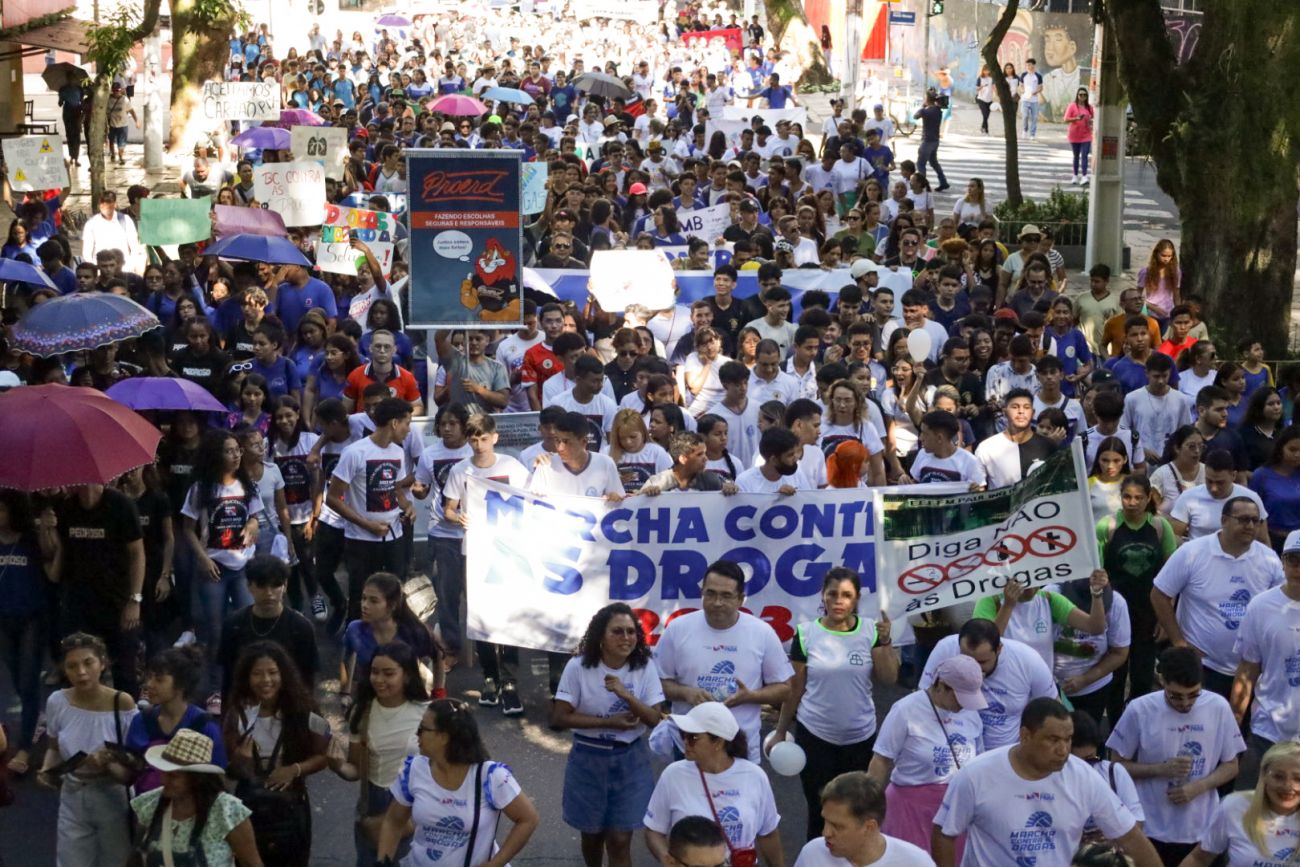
(241, 367)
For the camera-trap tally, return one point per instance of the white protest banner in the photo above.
(645, 11)
(295, 191)
(795, 114)
(707, 223)
(335, 253)
(936, 550)
(325, 144)
(717, 255)
(539, 568)
(729, 128)
(241, 100)
(396, 201)
(35, 163)
(623, 277)
(535, 175)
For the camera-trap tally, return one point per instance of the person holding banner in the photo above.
(836, 657)
(607, 696)
(1029, 614)
(721, 653)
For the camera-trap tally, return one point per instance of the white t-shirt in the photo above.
(938, 335)
(1077, 652)
(960, 466)
(1213, 590)
(1270, 636)
(752, 481)
(433, 470)
(330, 453)
(584, 689)
(741, 795)
(1190, 384)
(837, 705)
(1072, 408)
(635, 469)
(504, 469)
(783, 334)
(388, 733)
(898, 853)
(1203, 513)
(1167, 480)
(298, 477)
(1226, 833)
(1020, 675)
(742, 431)
(712, 392)
(222, 526)
(1092, 439)
(783, 387)
(1123, 786)
(560, 384)
(1150, 732)
(1009, 820)
(598, 478)
(913, 739)
(444, 818)
(372, 473)
(694, 654)
(1000, 457)
(599, 413)
(1156, 418)
(510, 352)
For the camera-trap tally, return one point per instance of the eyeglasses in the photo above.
(691, 737)
(424, 729)
(1247, 520)
(232, 453)
(908, 243)
(562, 246)
(628, 353)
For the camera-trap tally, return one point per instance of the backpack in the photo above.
(1156, 522)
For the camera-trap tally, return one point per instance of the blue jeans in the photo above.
(1031, 116)
(1082, 151)
(22, 646)
(929, 153)
(217, 599)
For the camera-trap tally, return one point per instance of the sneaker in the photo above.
(319, 611)
(942, 187)
(510, 703)
(487, 696)
(187, 638)
(213, 705)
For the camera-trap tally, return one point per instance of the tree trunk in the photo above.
(989, 52)
(791, 31)
(98, 135)
(200, 51)
(1225, 137)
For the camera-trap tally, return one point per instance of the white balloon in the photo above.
(771, 739)
(787, 759)
(918, 345)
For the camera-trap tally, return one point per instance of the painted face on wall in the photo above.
(1058, 48)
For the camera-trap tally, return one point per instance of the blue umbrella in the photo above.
(258, 248)
(82, 321)
(164, 392)
(507, 94)
(13, 271)
(263, 137)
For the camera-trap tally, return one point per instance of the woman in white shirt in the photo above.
(607, 697)
(1181, 470)
(1260, 828)
(846, 175)
(389, 706)
(456, 795)
(716, 780)
(836, 657)
(972, 207)
(925, 739)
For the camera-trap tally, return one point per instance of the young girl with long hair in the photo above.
(714, 430)
(249, 406)
(1109, 468)
(290, 444)
(1161, 281)
(1078, 131)
(331, 375)
(385, 617)
(630, 448)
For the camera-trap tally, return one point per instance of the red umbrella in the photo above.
(56, 435)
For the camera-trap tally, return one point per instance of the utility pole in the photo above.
(153, 105)
(1106, 190)
(852, 54)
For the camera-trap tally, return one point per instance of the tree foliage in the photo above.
(200, 50)
(791, 31)
(110, 43)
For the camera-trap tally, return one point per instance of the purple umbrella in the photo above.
(392, 20)
(164, 392)
(290, 117)
(263, 137)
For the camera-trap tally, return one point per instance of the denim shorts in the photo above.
(607, 786)
(117, 136)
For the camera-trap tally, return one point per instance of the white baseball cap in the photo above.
(1291, 545)
(9, 379)
(710, 718)
(861, 267)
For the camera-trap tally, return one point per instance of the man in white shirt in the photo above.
(939, 459)
(1031, 89)
(1198, 511)
(916, 314)
(1028, 804)
(586, 399)
(1013, 675)
(1214, 578)
(780, 472)
(1157, 410)
(1269, 645)
(767, 381)
(112, 230)
(776, 325)
(1178, 745)
(1008, 456)
(722, 654)
(853, 808)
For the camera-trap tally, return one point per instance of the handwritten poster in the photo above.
(295, 191)
(35, 163)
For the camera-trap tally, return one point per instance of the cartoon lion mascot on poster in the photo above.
(493, 288)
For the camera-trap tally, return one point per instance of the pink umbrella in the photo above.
(457, 105)
(300, 117)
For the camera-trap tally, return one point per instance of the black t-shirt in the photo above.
(931, 117)
(178, 472)
(622, 381)
(1230, 441)
(1036, 448)
(205, 370)
(290, 630)
(154, 509)
(970, 388)
(239, 341)
(95, 542)
(741, 312)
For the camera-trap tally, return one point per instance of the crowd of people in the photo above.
(178, 613)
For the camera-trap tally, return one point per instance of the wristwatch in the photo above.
(137, 597)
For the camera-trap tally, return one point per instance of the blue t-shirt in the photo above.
(1132, 375)
(345, 91)
(306, 359)
(1281, 496)
(359, 639)
(879, 159)
(1072, 350)
(144, 732)
(66, 279)
(22, 579)
(292, 303)
(564, 99)
(281, 377)
(326, 385)
(776, 96)
(419, 91)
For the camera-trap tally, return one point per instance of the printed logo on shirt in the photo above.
(226, 525)
(1233, 609)
(995, 715)
(86, 533)
(1292, 666)
(297, 480)
(446, 835)
(634, 476)
(857, 658)
(1196, 752)
(441, 470)
(1038, 836)
(328, 461)
(720, 681)
(381, 484)
(1279, 855)
(936, 474)
(19, 560)
(732, 825)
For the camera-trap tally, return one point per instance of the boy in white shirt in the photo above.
(739, 412)
(780, 473)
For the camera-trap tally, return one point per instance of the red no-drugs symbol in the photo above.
(1006, 551)
(1056, 540)
(922, 579)
(1043, 542)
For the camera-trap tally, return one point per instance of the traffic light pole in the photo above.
(1105, 244)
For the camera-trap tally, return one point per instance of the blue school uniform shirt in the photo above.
(292, 303)
(145, 732)
(359, 639)
(776, 96)
(281, 377)
(1072, 350)
(66, 279)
